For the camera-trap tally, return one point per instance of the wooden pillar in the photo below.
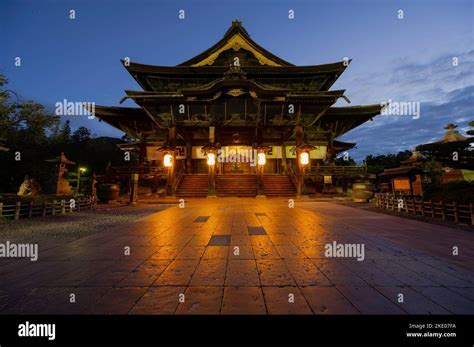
(299, 135)
(283, 158)
(17, 210)
(260, 170)
(170, 178)
(189, 158)
(331, 155)
(156, 177)
(142, 153)
(212, 168)
(212, 180)
(133, 189)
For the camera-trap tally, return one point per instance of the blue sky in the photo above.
(406, 59)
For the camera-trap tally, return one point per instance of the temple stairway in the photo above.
(278, 185)
(193, 186)
(236, 185)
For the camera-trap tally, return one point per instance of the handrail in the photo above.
(293, 175)
(335, 170)
(178, 176)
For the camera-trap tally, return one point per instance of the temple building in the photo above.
(236, 120)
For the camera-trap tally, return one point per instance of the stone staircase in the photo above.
(236, 185)
(278, 185)
(193, 186)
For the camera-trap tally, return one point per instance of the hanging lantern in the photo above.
(262, 158)
(304, 158)
(211, 159)
(262, 154)
(210, 152)
(167, 160)
(167, 155)
(304, 151)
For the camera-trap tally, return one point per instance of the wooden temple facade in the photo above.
(236, 120)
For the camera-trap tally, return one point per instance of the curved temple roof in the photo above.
(236, 47)
(236, 38)
(211, 83)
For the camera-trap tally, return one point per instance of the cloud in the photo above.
(445, 93)
(389, 134)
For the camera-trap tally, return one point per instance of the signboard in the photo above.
(152, 153)
(401, 184)
(274, 152)
(290, 151)
(181, 152)
(327, 179)
(319, 152)
(198, 153)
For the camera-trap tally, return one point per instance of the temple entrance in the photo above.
(237, 160)
(236, 169)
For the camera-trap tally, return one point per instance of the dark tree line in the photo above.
(33, 134)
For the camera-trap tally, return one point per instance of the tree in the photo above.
(81, 134)
(376, 164)
(342, 162)
(25, 126)
(32, 135)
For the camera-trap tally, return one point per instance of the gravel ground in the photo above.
(372, 207)
(75, 225)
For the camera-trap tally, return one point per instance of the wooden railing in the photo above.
(131, 169)
(458, 213)
(333, 170)
(56, 207)
(179, 173)
(293, 176)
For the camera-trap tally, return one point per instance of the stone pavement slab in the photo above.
(248, 256)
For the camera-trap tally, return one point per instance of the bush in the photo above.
(460, 192)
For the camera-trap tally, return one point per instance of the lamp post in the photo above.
(210, 152)
(79, 170)
(303, 161)
(168, 162)
(261, 161)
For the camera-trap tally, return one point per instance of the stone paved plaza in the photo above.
(280, 266)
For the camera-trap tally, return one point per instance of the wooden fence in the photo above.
(458, 213)
(56, 207)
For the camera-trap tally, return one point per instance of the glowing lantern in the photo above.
(261, 158)
(304, 158)
(168, 160)
(211, 159)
